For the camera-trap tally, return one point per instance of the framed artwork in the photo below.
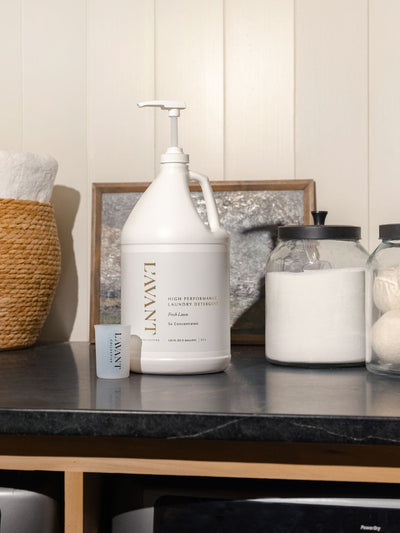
(250, 211)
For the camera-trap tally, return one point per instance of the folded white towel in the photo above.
(26, 176)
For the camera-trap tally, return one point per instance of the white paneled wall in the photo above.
(11, 75)
(384, 115)
(120, 72)
(276, 89)
(332, 105)
(259, 84)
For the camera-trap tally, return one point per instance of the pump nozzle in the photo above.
(169, 105)
(174, 154)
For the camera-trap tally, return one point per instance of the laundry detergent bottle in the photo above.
(175, 271)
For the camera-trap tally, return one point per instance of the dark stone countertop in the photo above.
(53, 390)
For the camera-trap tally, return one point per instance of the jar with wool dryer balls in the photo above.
(383, 303)
(315, 296)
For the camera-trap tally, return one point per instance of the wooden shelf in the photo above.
(349, 463)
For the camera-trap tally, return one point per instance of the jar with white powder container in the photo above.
(315, 296)
(383, 303)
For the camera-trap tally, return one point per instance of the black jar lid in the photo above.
(389, 231)
(319, 230)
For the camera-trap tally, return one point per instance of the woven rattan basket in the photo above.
(30, 262)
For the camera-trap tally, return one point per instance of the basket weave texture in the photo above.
(30, 264)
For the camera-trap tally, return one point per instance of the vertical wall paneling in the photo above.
(120, 74)
(384, 115)
(189, 67)
(332, 106)
(259, 89)
(11, 75)
(275, 89)
(54, 109)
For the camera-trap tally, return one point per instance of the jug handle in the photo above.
(212, 213)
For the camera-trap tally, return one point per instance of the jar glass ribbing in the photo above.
(383, 303)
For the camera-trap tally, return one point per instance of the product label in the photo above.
(177, 301)
(112, 350)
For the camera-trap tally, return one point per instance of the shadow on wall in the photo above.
(61, 318)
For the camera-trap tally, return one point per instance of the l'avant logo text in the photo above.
(117, 350)
(150, 298)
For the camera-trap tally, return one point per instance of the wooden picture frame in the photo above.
(255, 209)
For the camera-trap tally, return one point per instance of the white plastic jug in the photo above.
(175, 272)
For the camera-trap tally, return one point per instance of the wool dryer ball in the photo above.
(387, 289)
(385, 336)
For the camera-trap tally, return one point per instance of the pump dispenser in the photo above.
(175, 271)
(174, 154)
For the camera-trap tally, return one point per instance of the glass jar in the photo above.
(383, 303)
(315, 296)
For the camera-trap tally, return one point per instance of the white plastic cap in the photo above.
(174, 154)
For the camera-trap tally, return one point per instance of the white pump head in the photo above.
(174, 154)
